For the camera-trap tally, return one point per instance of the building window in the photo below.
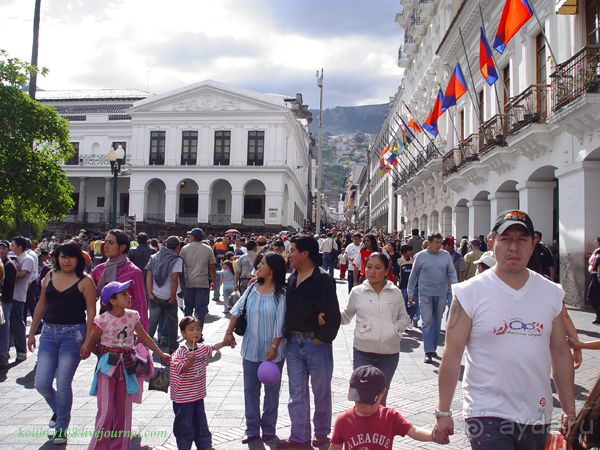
(99, 202)
(157, 148)
(222, 147)
(481, 97)
(462, 125)
(506, 81)
(540, 72)
(189, 148)
(592, 22)
(256, 148)
(74, 160)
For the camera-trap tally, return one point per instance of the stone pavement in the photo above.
(25, 414)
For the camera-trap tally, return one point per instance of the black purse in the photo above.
(242, 322)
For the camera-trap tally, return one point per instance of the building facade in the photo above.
(206, 154)
(532, 141)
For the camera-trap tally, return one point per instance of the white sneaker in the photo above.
(52, 422)
(21, 356)
(59, 440)
(410, 326)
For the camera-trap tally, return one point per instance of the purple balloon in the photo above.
(268, 373)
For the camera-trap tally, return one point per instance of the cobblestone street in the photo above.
(25, 414)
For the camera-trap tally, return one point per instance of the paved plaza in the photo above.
(25, 414)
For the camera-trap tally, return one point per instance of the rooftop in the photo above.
(93, 94)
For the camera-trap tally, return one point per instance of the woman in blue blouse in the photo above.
(264, 303)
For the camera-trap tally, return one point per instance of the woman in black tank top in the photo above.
(68, 306)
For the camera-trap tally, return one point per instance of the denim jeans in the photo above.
(306, 359)
(350, 278)
(386, 363)
(197, 298)
(17, 326)
(254, 420)
(162, 327)
(157, 309)
(432, 311)
(5, 333)
(449, 302)
(414, 311)
(495, 433)
(217, 292)
(190, 425)
(58, 355)
(328, 263)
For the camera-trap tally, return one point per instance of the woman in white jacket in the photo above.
(381, 319)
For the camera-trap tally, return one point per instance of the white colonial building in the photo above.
(534, 146)
(207, 154)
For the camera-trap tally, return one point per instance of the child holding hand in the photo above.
(188, 387)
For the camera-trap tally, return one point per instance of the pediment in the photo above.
(210, 97)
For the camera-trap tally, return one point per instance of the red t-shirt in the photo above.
(375, 432)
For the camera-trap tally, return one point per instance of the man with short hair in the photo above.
(482, 244)
(416, 241)
(471, 257)
(7, 293)
(510, 321)
(25, 267)
(350, 253)
(328, 248)
(459, 267)
(243, 268)
(32, 289)
(142, 253)
(199, 263)
(434, 271)
(544, 255)
(310, 292)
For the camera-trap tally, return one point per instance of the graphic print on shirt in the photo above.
(520, 327)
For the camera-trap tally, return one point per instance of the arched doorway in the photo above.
(447, 221)
(220, 203)
(254, 204)
(434, 227)
(155, 202)
(187, 212)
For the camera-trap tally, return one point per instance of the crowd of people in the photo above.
(117, 298)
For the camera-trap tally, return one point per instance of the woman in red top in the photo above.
(360, 262)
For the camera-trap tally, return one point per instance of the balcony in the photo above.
(403, 58)
(468, 150)
(576, 76)
(252, 222)
(411, 43)
(186, 220)
(427, 7)
(403, 18)
(155, 219)
(449, 162)
(492, 132)
(418, 25)
(219, 219)
(530, 106)
(97, 160)
(94, 217)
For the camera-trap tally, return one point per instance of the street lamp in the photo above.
(117, 159)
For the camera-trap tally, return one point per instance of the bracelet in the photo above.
(228, 334)
(274, 346)
(439, 413)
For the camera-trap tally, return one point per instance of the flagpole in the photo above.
(472, 80)
(455, 130)
(421, 127)
(407, 150)
(408, 130)
(543, 32)
(414, 137)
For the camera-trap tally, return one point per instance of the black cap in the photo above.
(513, 217)
(5, 243)
(366, 385)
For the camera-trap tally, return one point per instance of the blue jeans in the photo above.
(58, 355)
(328, 263)
(432, 311)
(158, 310)
(162, 326)
(413, 311)
(495, 433)
(449, 302)
(254, 421)
(190, 425)
(17, 326)
(197, 298)
(386, 363)
(306, 359)
(350, 278)
(217, 293)
(5, 333)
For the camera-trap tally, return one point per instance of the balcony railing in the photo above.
(252, 222)
(70, 218)
(155, 218)
(219, 219)
(468, 149)
(449, 162)
(577, 75)
(402, 56)
(530, 106)
(98, 160)
(186, 220)
(94, 217)
(492, 132)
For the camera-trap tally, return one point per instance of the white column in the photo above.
(461, 221)
(579, 210)
(170, 205)
(137, 202)
(239, 142)
(501, 201)
(205, 150)
(107, 199)
(237, 206)
(447, 223)
(172, 150)
(479, 217)
(536, 198)
(203, 206)
(82, 199)
(273, 205)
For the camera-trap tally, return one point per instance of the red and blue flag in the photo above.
(514, 15)
(486, 61)
(431, 123)
(455, 90)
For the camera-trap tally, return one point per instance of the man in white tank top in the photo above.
(509, 321)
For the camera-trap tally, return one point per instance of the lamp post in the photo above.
(117, 159)
(320, 85)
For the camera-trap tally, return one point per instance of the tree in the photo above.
(34, 141)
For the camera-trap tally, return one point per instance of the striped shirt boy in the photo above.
(190, 386)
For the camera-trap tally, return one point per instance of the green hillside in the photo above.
(349, 119)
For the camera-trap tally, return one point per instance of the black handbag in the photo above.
(242, 322)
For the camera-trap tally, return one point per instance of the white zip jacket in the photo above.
(380, 318)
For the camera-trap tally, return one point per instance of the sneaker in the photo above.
(410, 326)
(428, 358)
(415, 323)
(320, 439)
(52, 422)
(59, 439)
(288, 443)
(597, 321)
(21, 356)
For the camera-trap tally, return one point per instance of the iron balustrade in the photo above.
(252, 222)
(219, 219)
(449, 162)
(402, 56)
(155, 218)
(468, 149)
(94, 217)
(530, 106)
(492, 132)
(183, 220)
(574, 77)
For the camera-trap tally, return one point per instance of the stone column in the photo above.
(170, 205)
(461, 221)
(479, 218)
(137, 203)
(205, 150)
(237, 206)
(107, 198)
(536, 198)
(82, 199)
(203, 206)
(238, 146)
(501, 201)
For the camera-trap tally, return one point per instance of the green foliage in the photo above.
(34, 141)
(16, 73)
(333, 178)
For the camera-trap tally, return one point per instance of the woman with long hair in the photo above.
(368, 246)
(68, 306)
(264, 306)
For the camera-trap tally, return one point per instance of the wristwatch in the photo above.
(439, 413)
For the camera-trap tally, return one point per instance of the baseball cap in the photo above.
(196, 232)
(448, 240)
(5, 243)
(513, 217)
(172, 242)
(366, 385)
(111, 289)
(488, 259)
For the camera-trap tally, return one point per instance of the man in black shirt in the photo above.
(544, 255)
(310, 292)
(8, 289)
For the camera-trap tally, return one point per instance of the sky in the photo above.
(269, 46)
